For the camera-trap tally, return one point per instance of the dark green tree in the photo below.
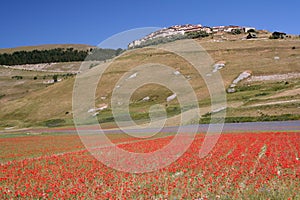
(236, 31)
(55, 78)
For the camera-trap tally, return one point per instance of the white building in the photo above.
(182, 29)
(246, 29)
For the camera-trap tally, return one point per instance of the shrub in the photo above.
(17, 77)
(55, 78)
(277, 35)
(198, 34)
(236, 31)
(54, 122)
(251, 31)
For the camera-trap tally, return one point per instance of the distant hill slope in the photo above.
(266, 96)
(82, 47)
(54, 55)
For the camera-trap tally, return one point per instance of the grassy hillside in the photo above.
(46, 47)
(276, 98)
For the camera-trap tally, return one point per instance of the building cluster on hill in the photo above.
(178, 30)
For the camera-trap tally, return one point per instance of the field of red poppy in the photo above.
(240, 166)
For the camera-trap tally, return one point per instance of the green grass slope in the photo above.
(258, 100)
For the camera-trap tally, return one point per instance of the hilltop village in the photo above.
(188, 29)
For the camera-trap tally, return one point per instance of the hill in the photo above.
(82, 47)
(57, 55)
(271, 93)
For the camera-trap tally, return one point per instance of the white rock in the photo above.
(276, 58)
(9, 128)
(176, 73)
(97, 109)
(48, 82)
(170, 98)
(101, 108)
(188, 77)
(241, 77)
(95, 114)
(146, 98)
(218, 109)
(218, 66)
(91, 110)
(231, 90)
(132, 76)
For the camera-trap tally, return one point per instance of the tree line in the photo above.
(57, 55)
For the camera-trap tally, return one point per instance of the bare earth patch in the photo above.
(275, 77)
(274, 103)
(293, 92)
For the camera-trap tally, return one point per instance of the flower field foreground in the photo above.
(241, 166)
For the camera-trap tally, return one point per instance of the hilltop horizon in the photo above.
(39, 24)
(140, 36)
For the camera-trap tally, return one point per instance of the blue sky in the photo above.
(35, 22)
